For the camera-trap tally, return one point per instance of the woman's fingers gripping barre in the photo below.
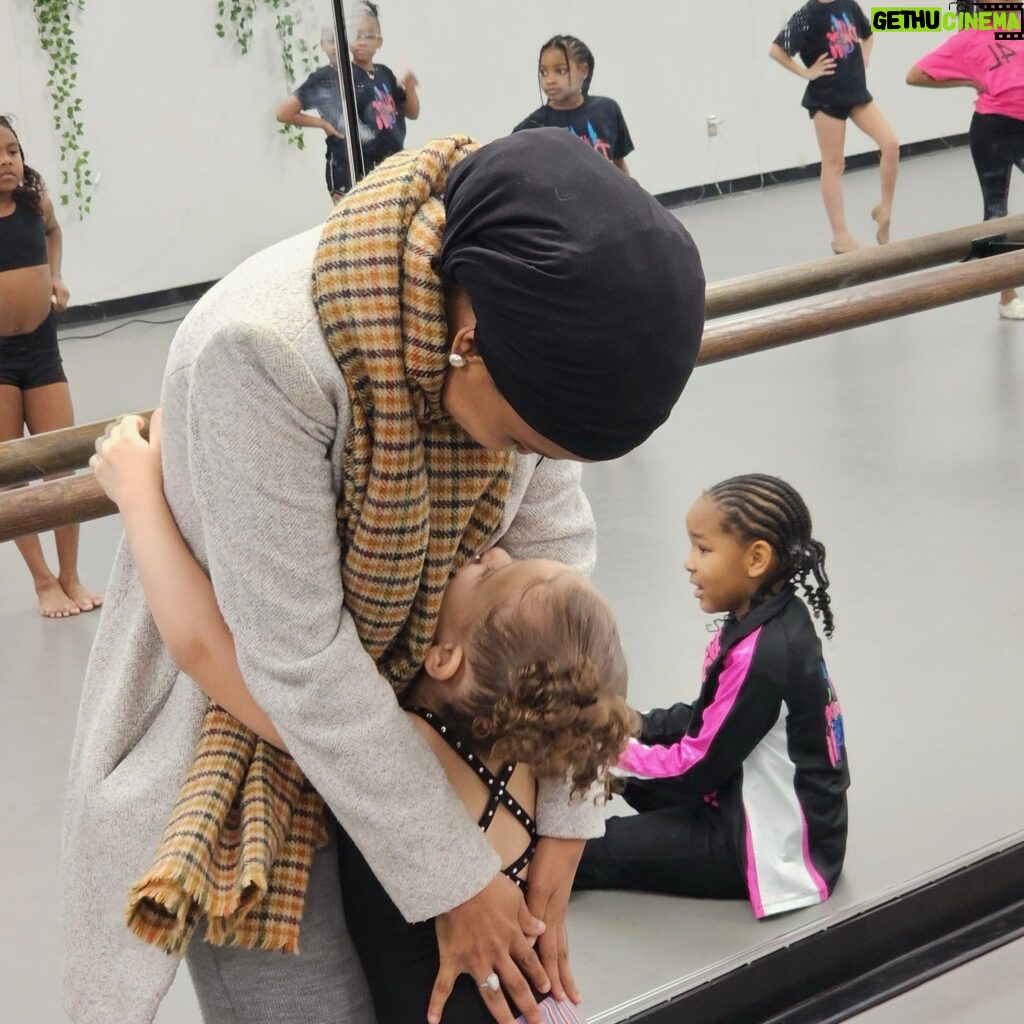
(492, 933)
(126, 465)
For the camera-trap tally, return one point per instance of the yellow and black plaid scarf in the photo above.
(419, 498)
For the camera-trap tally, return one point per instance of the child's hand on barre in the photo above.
(126, 465)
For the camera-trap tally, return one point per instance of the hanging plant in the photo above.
(236, 17)
(57, 38)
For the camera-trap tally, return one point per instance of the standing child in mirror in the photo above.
(383, 103)
(321, 92)
(566, 71)
(833, 39)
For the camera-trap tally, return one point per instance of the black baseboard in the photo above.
(116, 309)
(865, 960)
(719, 189)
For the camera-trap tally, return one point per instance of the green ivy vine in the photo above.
(57, 38)
(236, 17)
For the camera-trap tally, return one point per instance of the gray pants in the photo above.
(324, 984)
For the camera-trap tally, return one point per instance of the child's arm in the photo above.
(824, 65)
(915, 76)
(865, 49)
(54, 253)
(179, 595)
(621, 164)
(290, 112)
(412, 97)
(746, 704)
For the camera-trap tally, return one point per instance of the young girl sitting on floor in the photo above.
(34, 390)
(525, 680)
(743, 792)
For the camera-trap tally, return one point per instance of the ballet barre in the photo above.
(58, 451)
(77, 499)
(741, 294)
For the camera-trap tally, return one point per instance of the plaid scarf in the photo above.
(419, 498)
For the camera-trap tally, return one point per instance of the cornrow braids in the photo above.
(550, 685)
(760, 507)
(575, 51)
(31, 187)
(582, 54)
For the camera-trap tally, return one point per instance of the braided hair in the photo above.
(550, 687)
(575, 51)
(31, 188)
(760, 507)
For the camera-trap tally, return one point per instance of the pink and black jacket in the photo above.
(763, 744)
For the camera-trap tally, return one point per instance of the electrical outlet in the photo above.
(713, 121)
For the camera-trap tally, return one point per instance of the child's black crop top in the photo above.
(500, 797)
(22, 239)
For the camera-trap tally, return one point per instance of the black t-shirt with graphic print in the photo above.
(380, 104)
(597, 121)
(834, 28)
(322, 92)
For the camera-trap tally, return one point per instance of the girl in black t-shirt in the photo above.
(383, 103)
(833, 39)
(565, 72)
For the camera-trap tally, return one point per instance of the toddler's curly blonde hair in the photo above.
(550, 684)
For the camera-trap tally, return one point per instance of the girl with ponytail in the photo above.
(741, 794)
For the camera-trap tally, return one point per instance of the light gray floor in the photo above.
(906, 441)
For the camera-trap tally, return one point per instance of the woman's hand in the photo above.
(60, 296)
(552, 871)
(126, 465)
(492, 933)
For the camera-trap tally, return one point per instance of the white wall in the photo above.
(194, 177)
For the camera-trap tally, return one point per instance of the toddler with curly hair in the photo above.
(525, 682)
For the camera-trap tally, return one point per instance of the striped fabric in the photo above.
(551, 1012)
(419, 498)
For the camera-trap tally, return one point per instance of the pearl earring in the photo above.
(454, 359)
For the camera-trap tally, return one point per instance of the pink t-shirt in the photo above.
(997, 65)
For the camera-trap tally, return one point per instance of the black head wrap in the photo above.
(588, 295)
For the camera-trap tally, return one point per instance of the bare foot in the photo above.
(53, 602)
(881, 217)
(845, 243)
(84, 598)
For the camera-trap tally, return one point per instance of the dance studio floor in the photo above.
(906, 440)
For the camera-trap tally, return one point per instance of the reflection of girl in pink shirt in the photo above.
(975, 59)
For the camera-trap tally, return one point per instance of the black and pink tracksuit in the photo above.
(744, 791)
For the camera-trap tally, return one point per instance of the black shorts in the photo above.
(32, 360)
(839, 113)
(337, 173)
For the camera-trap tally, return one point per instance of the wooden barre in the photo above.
(62, 450)
(857, 307)
(80, 498)
(740, 294)
(57, 451)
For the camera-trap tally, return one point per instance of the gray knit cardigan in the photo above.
(255, 410)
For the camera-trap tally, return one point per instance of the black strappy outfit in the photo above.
(400, 959)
